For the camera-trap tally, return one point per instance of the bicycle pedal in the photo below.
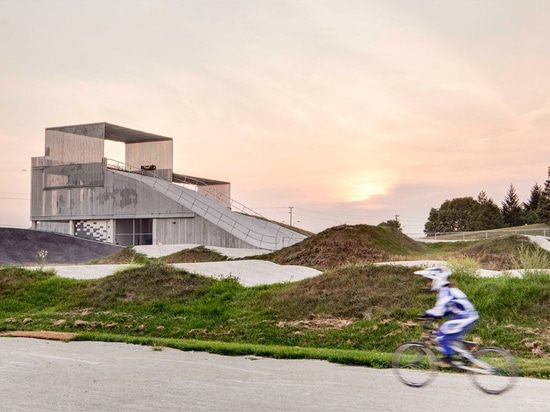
(444, 363)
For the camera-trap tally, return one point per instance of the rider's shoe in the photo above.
(445, 362)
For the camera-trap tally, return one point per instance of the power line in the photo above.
(326, 215)
(268, 208)
(361, 216)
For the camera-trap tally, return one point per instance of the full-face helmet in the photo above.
(439, 276)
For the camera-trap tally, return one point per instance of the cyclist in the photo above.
(453, 303)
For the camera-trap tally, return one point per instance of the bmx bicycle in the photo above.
(492, 369)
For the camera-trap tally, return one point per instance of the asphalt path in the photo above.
(39, 375)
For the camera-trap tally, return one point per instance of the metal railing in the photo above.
(233, 204)
(487, 234)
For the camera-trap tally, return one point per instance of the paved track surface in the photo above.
(20, 247)
(39, 375)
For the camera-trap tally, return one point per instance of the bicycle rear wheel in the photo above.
(496, 372)
(414, 364)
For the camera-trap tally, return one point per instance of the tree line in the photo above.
(468, 214)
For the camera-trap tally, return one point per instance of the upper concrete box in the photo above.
(85, 143)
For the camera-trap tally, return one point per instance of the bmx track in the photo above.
(40, 375)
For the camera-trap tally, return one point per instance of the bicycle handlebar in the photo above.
(427, 325)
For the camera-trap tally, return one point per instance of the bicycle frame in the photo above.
(429, 340)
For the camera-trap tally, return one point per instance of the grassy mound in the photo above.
(153, 281)
(198, 254)
(358, 292)
(126, 256)
(497, 254)
(15, 279)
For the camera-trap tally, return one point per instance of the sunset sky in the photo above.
(348, 111)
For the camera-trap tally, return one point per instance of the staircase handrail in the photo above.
(215, 213)
(233, 204)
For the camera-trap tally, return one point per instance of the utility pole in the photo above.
(398, 224)
(290, 212)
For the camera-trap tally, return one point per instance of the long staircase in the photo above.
(256, 232)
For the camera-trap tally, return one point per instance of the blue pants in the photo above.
(453, 330)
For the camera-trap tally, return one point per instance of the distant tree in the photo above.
(457, 215)
(512, 213)
(482, 197)
(534, 199)
(434, 224)
(489, 215)
(531, 206)
(543, 209)
(396, 224)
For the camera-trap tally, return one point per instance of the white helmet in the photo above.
(439, 276)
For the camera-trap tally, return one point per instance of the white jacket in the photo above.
(452, 302)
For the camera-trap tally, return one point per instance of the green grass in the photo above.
(354, 315)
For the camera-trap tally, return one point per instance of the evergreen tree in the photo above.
(530, 208)
(533, 203)
(482, 197)
(489, 215)
(512, 213)
(543, 210)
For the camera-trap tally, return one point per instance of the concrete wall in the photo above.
(57, 227)
(121, 197)
(73, 148)
(152, 153)
(193, 231)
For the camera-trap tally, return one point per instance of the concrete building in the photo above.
(76, 190)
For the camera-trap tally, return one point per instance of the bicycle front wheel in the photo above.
(414, 364)
(495, 370)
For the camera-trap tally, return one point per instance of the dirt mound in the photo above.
(40, 334)
(347, 245)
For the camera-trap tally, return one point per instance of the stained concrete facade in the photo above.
(76, 190)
